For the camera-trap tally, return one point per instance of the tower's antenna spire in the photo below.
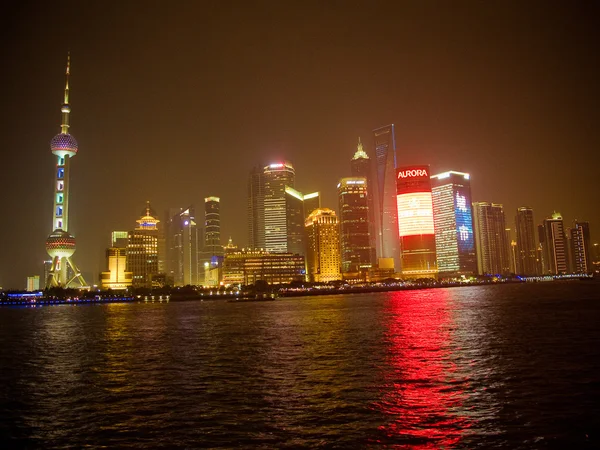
(360, 153)
(67, 82)
(65, 107)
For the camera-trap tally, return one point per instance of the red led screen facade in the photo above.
(415, 221)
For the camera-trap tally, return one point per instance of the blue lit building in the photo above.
(453, 223)
(386, 209)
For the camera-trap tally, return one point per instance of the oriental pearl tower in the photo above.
(60, 244)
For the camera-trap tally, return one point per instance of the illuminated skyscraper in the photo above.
(294, 219)
(323, 254)
(212, 227)
(490, 239)
(526, 242)
(360, 166)
(211, 258)
(182, 247)
(415, 222)
(386, 212)
(555, 248)
(581, 248)
(453, 223)
(275, 178)
(142, 249)
(60, 244)
(188, 254)
(256, 209)
(297, 207)
(171, 228)
(356, 251)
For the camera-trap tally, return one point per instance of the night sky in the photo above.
(175, 101)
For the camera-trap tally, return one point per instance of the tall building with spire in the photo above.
(360, 166)
(356, 251)
(60, 244)
(386, 212)
(142, 249)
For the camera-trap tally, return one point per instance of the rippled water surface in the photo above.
(514, 366)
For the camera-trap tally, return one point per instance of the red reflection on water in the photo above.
(421, 393)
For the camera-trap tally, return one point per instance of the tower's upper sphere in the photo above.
(63, 144)
(60, 243)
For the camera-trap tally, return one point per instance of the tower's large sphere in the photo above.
(63, 144)
(60, 243)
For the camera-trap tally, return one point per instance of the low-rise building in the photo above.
(248, 266)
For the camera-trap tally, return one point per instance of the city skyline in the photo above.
(510, 163)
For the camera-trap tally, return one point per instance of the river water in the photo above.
(514, 366)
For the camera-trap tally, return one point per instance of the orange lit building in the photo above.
(323, 259)
(142, 249)
(116, 278)
(249, 266)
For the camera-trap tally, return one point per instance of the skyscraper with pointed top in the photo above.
(360, 166)
(357, 253)
(142, 249)
(60, 244)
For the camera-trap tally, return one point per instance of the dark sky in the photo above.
(175, 101)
